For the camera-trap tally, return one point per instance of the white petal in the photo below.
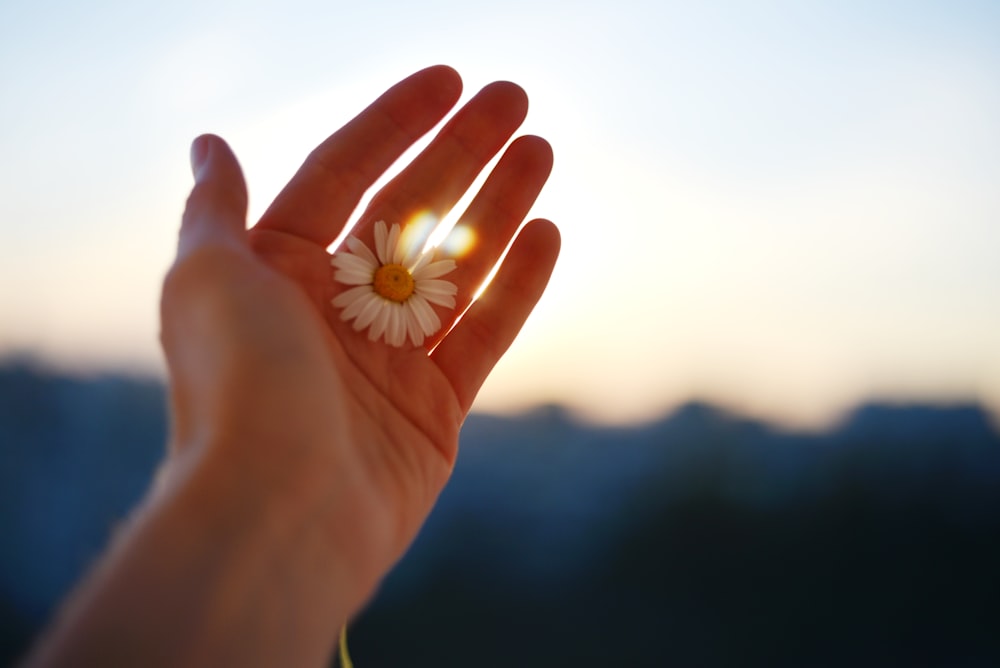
(352, 277)
(446, 302)
(352, 270)
(438, 292)
(348, 297)
(382, 324)
(394, 249)
(424, 314)
(345, 260)
(381, 321)
(395, 333)
(368, 311)
(380, 246)
(411, 258)
(410, 251)
(437, 286)
(433, 270)
(413, 329)
(362, 251)
(420, 260)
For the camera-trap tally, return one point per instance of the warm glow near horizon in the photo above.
(787, 208)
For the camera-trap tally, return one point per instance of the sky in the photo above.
(786, 208)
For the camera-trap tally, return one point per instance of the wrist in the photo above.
(301, 515)
(215, 569)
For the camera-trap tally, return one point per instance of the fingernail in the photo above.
(199, 153)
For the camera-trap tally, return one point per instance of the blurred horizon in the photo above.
(785, 208)
(26, 362)
(703, 538)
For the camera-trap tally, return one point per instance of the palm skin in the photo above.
(271, 386)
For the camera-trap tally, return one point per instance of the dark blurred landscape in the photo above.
(702, 539)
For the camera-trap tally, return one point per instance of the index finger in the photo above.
(317, 202)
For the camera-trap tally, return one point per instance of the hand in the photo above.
(304, 457)
(271, 386)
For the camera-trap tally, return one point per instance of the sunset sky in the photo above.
(783, 207)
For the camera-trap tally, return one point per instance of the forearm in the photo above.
(210, 572)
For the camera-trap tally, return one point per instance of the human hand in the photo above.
(304, 456)
(274, 393)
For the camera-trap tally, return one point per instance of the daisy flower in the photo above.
(393, 289)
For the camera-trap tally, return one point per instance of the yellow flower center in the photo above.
(393, 282)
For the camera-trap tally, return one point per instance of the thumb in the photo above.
(216, 210)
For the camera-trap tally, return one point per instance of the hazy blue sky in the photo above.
(783, 206)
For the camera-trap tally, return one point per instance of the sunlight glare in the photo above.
(419, 230)
(460, 241)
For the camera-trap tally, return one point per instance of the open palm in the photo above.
(321, 412)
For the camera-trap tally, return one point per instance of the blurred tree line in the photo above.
(703, 539)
